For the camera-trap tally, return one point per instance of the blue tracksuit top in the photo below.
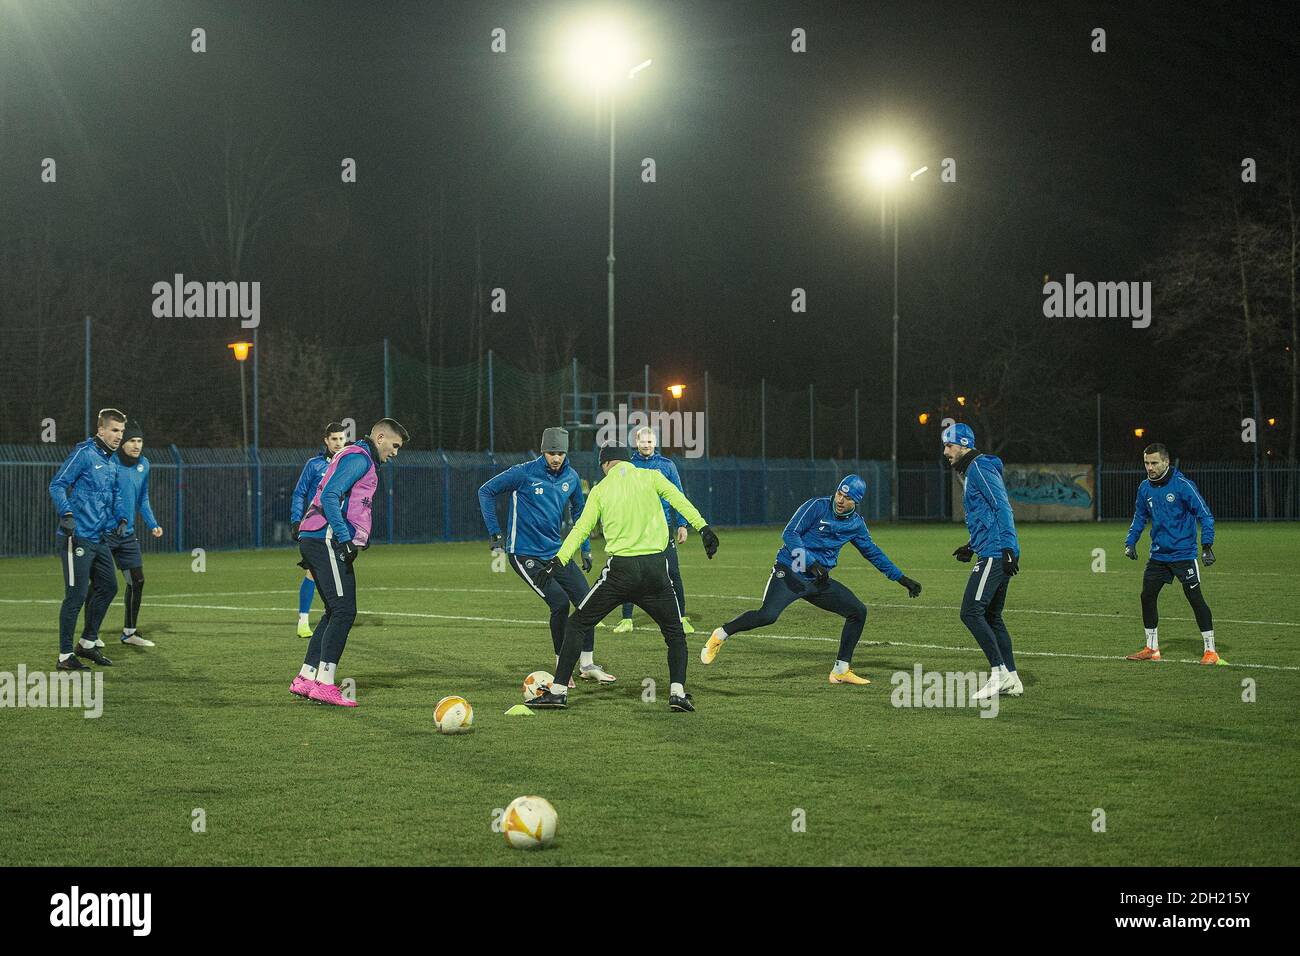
(308, 483)
(1173, 506)
(989, 520)
(537, 499)
(820, 532)
(660, 463)
(86, 485)
(133, 492)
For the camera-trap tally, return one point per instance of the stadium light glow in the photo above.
(1272, 422)
(240, 349)
(961, 400)
(1139, 432)
(885, 166)
(597, 53)
(923, 418)
(676, 390)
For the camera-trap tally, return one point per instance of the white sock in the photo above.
(720, 634)
(586, 658)
(64, 657)
(676, 690)
(307, 671)
(1153, 641)
(1208, 638)
(302, 619)
(87, 644)
(128, 631)
(325, 673)
(841, 667)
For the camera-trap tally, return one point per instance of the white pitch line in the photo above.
(775, 637)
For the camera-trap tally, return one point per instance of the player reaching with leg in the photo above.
(539, 492)
(308, 484)
(810, 550)
(626, 503)
(646, 457)
(335, 529)
(993, 542)
(1173, 505)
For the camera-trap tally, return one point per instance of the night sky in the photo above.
(1067, 161)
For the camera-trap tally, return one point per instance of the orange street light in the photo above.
(240, 349)
(923, 418)
(676, 390)
(1139, 432)
(1272, 421)
(961, 400)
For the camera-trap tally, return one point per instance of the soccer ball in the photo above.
(536, 683)
(453, 715)
(529, 823)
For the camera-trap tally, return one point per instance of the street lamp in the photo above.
(241, 350)
(599, 57)
(885, 168)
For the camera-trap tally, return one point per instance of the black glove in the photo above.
(710, 541)
(1130, 552)
(586, 561)
(1207, 555)
(497, 543)
(543, 570)
(345, 551)
(913, 587)
(821, 576)
(67, 525)
(964, 553)
(1010, 562)
(293, 530)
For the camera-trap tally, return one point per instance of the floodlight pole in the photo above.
(893, 445)
(610, 258)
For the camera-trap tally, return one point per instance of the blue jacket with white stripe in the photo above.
(86, 485)
(1172, 505)
(308, 483)
(820, 533)
(663, 464)
(989, 519)
(537, 499)
(133, 492)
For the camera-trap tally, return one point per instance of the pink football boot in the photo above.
(329, 694)
(301, 686)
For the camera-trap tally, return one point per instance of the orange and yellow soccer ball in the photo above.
(537, 683)
(453, 715)
(529, 823)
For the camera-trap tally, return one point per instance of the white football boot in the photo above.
(990, 688)
(1011, 686)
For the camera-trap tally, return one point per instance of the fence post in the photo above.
(812, 456)
(388, 405)
(180, 498)
(392, 476)
(87, 430)
(257, 496)
(1255, 466)
(446, 496)
(1096, 483)
(706, 431)
(492, 419)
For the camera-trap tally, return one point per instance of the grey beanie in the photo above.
(555, 440)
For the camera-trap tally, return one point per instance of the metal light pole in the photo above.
(610, 258)
(893, 442)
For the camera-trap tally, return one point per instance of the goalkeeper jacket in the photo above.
(627, 504)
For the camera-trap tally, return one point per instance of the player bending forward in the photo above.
(811, 548)
(1173, 505)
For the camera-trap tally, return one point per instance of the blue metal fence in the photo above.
(216, 498)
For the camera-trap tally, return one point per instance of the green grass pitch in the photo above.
(1185, 770)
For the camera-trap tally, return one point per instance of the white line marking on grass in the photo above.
(774, 637)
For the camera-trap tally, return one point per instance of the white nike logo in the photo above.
(97, 467)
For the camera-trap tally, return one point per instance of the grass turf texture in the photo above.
(1186, 772)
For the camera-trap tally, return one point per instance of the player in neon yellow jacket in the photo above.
(627, 503)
